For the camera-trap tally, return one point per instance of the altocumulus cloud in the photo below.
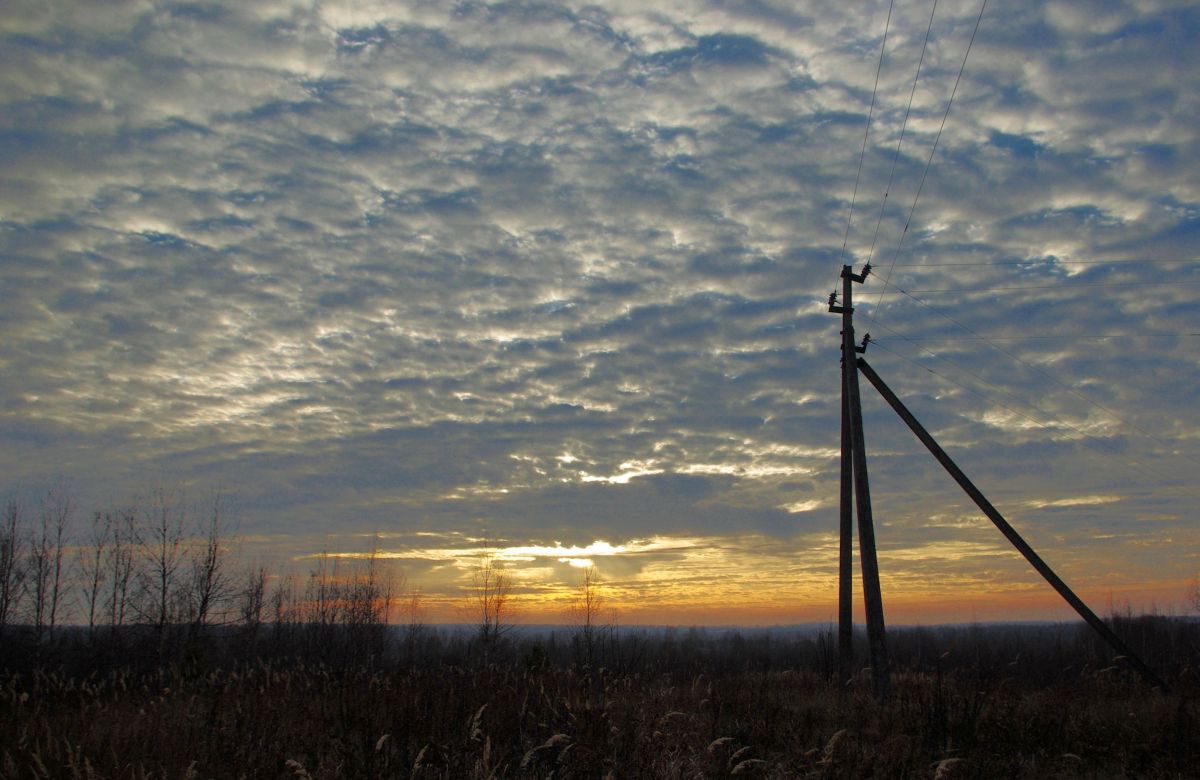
(544, 273)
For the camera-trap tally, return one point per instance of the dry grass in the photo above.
(300, 721)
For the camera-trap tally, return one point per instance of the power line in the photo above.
(932, 150)
(973, 391)
(903, 127)
(1173, 283)
(1105, 449)
(1029, 366)
(1035, 263)
(870, 113)
(912, 211)
(1059, 337)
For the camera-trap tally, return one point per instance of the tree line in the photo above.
(158, 580)
(164, 571)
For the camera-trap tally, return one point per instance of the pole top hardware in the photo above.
(860, 278)
(846, 270)
(833, 303)
(863, 347)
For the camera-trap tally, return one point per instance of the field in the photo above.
(984, 701)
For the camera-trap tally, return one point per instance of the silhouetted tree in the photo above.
(120, 561)
(210, 587)
(490, 591)
(251, 602)
(92, 569)
(413, 614)
(47, 549)
(12, 560)
(586, 615)
(164, 532)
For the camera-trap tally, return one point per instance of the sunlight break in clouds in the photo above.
(1074, 501)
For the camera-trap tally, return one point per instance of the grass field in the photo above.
(680, 704)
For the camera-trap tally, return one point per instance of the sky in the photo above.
(551, 280)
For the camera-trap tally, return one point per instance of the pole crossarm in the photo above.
(1009, 532)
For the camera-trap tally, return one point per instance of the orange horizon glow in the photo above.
(932, 608)
(752, 580)
(937, 609)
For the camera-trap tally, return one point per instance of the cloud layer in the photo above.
(557, 272)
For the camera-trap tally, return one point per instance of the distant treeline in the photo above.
(155, 584)
(1031, 653)
(157, 580)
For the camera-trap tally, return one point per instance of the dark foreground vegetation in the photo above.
(307, 701)
(135, 645)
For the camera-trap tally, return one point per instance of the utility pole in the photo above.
(855, 485)
(856, 496)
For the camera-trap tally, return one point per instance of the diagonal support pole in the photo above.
(1009, 532)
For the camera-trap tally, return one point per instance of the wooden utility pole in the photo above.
(855, 481)
(856, 496)
(846, 548)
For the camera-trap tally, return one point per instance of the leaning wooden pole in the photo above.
(1009, 532)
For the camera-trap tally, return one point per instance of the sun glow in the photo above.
(745, 579)
(1044, 503)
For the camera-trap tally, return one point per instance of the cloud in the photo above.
(1074, 501)
(383, 266)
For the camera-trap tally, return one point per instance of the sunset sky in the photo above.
(551, 279)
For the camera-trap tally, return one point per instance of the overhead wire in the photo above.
(870, 114)
(1059, 337)
(974, 334)
(1067, 286)
(1119, 418)
(932, 150)
(903, 127)
(1053, 420)
(997, 388)
(1035, 263)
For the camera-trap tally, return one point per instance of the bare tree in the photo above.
(413, 614)
(368, 595)
(92, 568)
(46, 551)
(250, 602)
(252, 598)
(346, 606)
(165, 530)
(283, 601)
(585, 613)
(210, 588)
(12, 560)
(285, 616)
(119, 563)
(490, 590)
(322, 605)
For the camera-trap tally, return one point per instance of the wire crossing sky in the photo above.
(551, 278)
